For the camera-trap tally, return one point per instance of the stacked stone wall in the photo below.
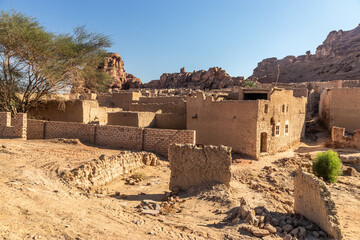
(158, 140)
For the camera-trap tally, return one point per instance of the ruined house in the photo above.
(260, 122)
(340, 107)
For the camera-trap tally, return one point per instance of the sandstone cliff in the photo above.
(213, 78)
(337, 58)
(114, 65)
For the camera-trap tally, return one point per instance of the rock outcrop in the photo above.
(214, 78)
(114, 66)
(337, 58)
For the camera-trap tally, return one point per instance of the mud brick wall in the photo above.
(193, 166)
(170, 121)
(35, 129)
(84, 132)
(313, 200)
(13, 127)
(158, 140)
(179, 107)
(339, 140)
(119, 137)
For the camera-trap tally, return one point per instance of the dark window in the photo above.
(266, 108)
(255, 96)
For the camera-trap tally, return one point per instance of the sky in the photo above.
(158, 36)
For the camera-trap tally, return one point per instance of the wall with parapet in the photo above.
(232, 123)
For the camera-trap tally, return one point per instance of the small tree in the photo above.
(328, 166)
(35, 62)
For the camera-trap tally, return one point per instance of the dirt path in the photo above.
(36, 204)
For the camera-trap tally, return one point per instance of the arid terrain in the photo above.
(37, 204)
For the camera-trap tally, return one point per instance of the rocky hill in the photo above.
(337, 58)
(214, 78)
(114, 66)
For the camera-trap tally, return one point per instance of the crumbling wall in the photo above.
(339, 140)
(104, 169)
(35, 129)
(193, 166)
(84, 132)
(158, 140)
(119, 137)
(13, 127)
(313, 200)
(170, 121)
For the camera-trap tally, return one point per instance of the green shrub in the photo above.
(328, 166)
(250, 83)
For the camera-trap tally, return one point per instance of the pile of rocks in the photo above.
(149, 207)
(134, 179)
(171, 204)
(260, 222)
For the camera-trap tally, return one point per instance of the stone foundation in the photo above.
(104, 169)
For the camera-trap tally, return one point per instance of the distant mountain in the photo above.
(336, 59)
(214, 78)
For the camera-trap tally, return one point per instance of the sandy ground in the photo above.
(36, 204)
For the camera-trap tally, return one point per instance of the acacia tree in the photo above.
(35, 62)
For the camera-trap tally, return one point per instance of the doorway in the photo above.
(263, 142)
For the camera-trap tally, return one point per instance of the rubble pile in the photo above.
(171, 203)
(260, 223)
